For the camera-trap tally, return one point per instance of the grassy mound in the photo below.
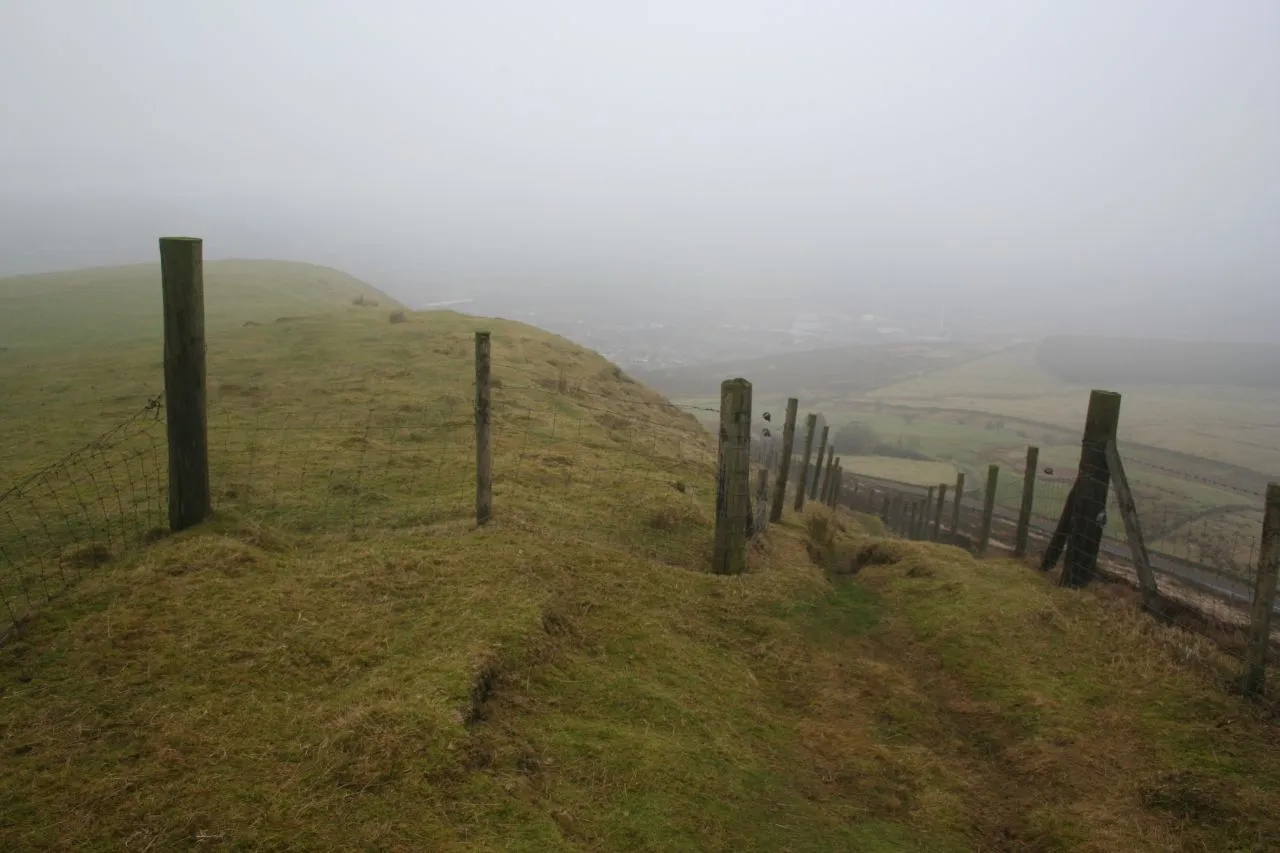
(565, 678)
(106, 305)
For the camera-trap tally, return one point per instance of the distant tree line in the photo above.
(1099, 361)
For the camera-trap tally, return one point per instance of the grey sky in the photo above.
(984, 147)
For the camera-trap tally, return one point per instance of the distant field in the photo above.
(117, 304)
(1235, 425)
(914, 471)
(817, 375)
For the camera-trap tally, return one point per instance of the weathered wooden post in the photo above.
(833, 484)
(885, 507)
(913, 519)
(186, 424)
(811, 424)
(988, 508)
(1133, 529)
(924, 516)
(762, 500)
(1085, 536)
(937, 515)
(484, 450)
(784, 466)
(729, 556)
(1264, 596)
(955, 509)
(818, 464)
(1028, 501)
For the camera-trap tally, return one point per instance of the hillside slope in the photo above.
(386, 676)
(112, 304)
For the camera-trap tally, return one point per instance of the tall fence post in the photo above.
(1092, 482)
(957, 506)
(1028, 501)
(784, 465)
(829, 476)
(1264, 595)
(484, 450)
(811, 424)
(818, 464)
(988, 508)
(937, 515)
(762, 499)
(186, 423)
(730, 554)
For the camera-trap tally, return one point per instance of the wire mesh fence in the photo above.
(96, 503)
(1204, 558)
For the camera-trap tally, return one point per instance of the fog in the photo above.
(1102, 167)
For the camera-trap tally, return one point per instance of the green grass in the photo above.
(913, 471)
(107, 305)
(365, 669)
(1237, 426)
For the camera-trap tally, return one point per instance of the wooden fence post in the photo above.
(186, 423)
(913, 520)
(484, 449)
(762, 500)
(1085, 537)
(818, 464)
(925, 516)
(955, 509)
(811, 424)
(988, 508)
(1028, 501)
(784, 464)
(1264, 595)
(1133, 529)
(885, 506)
(730, 554)
(937, 515)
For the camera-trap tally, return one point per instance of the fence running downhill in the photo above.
(530, 439)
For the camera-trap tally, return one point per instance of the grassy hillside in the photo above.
(567, 678)
(113, 304)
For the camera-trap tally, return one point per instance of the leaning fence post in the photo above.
(784, 465)
(484, 451)
(186, 424)
(937, 515)
(1132, 528)
(988, 508)
(1028, 501)
(1264, 595)
(955, 509)
(811, 424)
(818, 464)
(730, 554)
(1085, 536)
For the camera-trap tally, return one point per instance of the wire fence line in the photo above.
(1204, 566)
(557, 441)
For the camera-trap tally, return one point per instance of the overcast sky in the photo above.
(982, 149)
